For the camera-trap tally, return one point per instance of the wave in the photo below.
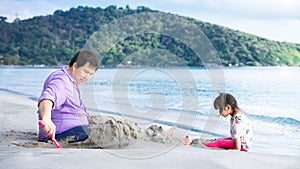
(280, 120)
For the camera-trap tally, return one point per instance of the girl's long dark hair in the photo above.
(225, 99)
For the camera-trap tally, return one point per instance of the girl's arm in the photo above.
(238, 144)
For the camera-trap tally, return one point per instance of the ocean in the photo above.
(183, 97)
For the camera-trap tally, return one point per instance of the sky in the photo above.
(272, 19)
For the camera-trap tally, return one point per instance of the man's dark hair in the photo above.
(84, 56)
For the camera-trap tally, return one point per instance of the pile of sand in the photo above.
(105, 132)
(118, 133)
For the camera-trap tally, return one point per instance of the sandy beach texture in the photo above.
(138, 148)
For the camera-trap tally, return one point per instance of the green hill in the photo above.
(53, 40)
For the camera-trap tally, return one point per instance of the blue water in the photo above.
(183, 97)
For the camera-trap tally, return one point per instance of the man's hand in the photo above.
(49, 128)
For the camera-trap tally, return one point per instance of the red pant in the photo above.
(225, 143)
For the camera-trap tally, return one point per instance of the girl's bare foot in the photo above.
(171, 131)
(187, 140)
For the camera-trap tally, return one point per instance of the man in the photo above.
(60, 106)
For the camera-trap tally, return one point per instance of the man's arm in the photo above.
(45, 108)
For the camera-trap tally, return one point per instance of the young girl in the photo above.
(240, 128)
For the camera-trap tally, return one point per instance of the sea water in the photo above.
(184, 97)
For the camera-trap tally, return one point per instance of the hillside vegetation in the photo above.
(54, 39)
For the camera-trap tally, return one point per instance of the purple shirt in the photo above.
(68, 110)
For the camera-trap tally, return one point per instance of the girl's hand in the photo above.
(238, 143)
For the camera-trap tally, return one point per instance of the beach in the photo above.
(19, 127)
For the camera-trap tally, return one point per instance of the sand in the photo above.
(127, 146)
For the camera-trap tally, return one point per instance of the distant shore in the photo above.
(145, 66)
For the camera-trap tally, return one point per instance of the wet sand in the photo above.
(126, 145)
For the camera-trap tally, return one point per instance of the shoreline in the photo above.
(18, 115)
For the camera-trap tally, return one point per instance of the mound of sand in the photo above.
(105, 133)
